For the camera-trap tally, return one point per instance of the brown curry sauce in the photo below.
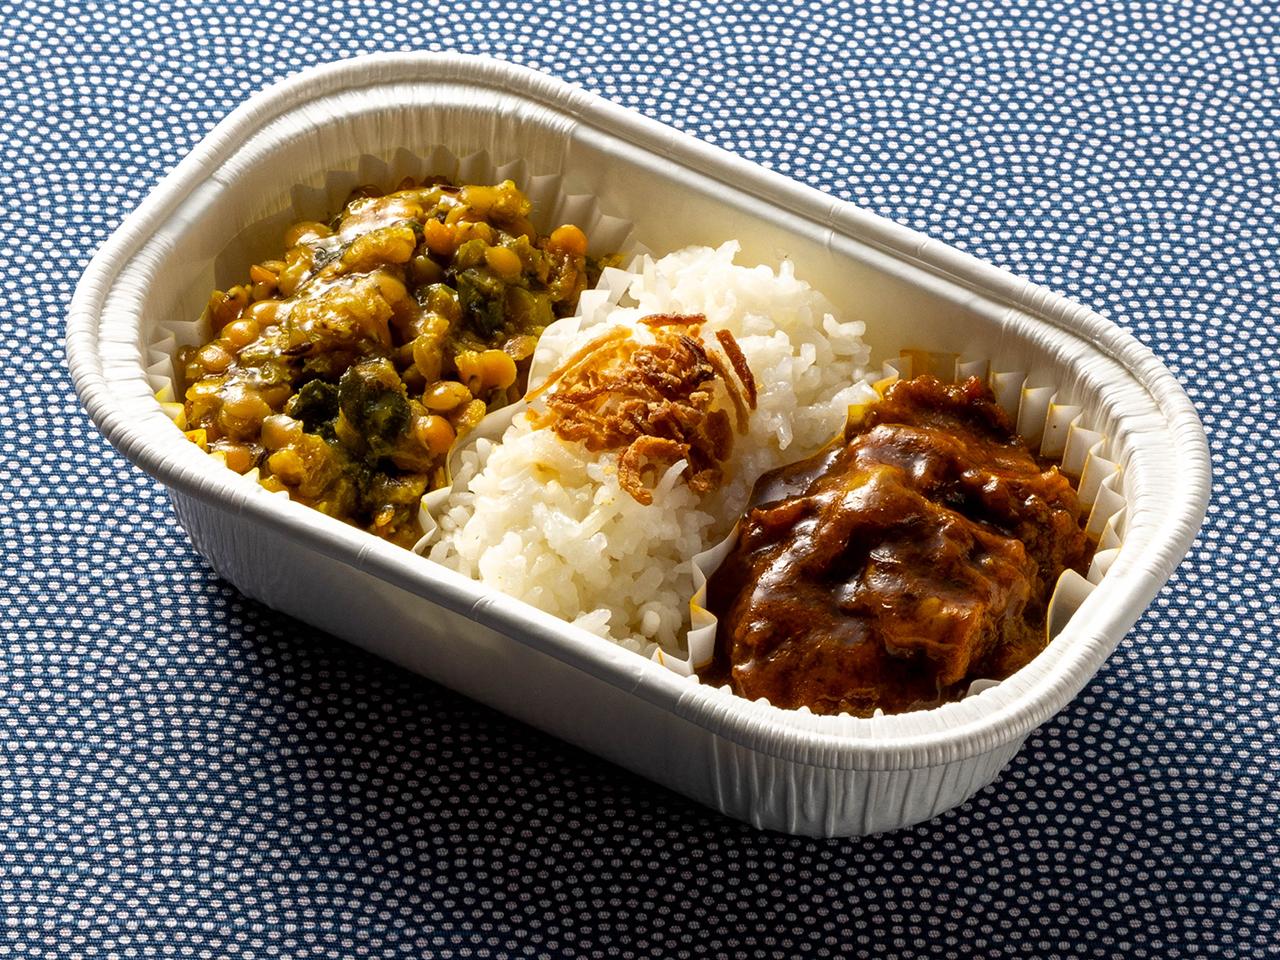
(913, 555)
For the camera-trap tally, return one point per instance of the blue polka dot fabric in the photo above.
(185, 773)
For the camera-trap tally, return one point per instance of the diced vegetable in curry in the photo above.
(345, 370)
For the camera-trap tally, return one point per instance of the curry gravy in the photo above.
(916, 553)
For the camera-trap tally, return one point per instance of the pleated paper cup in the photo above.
(296, 148)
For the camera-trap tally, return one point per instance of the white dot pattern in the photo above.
(184, 773)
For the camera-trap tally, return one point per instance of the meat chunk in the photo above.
(914, 555)
(654, 402)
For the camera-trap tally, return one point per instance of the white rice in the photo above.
(546, 521)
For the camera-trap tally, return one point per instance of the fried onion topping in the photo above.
(655, 403)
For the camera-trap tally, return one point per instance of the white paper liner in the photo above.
(320, 200)
(1041, 419)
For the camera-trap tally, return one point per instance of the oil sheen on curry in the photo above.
(913, 555)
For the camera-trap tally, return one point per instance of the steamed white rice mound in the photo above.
(547, 522)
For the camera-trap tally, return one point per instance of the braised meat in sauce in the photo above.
(344, 371)
(915, 554)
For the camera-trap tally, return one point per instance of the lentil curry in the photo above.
(653, 402)
(345, 370)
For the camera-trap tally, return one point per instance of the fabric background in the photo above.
(185, 773)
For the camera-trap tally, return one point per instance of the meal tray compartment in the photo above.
(785, 770)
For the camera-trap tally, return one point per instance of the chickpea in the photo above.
(468, 230)
(288, 466)
(239, 457)
(305, 230)
(471, 414)
(427, 356)
(424, 270)
(213, 357)
(264, 281)
(241, 332)
(521, 347)
(225, 307)
(480, 199)
(275, 394)
(505, 263)
(279, 430)
(392, 290)
(445, 395)
(434, 433)
(439, 238)
(266, 313)
(434, 325)
(497, 370)
(292, 275)
(242, 414)
(485, 370)
(246, 405)
(469, 370)
(443, 300)
(503, 201)
(568, 239)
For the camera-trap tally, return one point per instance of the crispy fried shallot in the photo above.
(653, 402)
(734, 353)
